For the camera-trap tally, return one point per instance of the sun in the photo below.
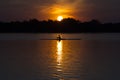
(60, 18)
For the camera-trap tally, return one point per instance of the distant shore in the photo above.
(68, 25)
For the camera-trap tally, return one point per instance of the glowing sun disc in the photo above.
(59, 18)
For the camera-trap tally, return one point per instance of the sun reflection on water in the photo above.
(59, 52)
(59, 60)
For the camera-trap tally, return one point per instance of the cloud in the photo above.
(44, 9)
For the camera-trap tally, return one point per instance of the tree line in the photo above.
(67, 25)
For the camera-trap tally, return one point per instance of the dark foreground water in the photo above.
(86, 59)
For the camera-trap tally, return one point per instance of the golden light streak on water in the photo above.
(59, 66)
(59, 52)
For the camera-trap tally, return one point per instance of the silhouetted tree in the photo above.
(67, 25)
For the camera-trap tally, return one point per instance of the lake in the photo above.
(34, 57)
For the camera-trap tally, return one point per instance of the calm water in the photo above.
(25, 57)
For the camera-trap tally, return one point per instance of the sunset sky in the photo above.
(84, 10)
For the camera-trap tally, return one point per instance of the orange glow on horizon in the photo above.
(65, 8)
(57, 10)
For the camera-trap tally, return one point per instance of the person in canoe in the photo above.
(59, 37)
